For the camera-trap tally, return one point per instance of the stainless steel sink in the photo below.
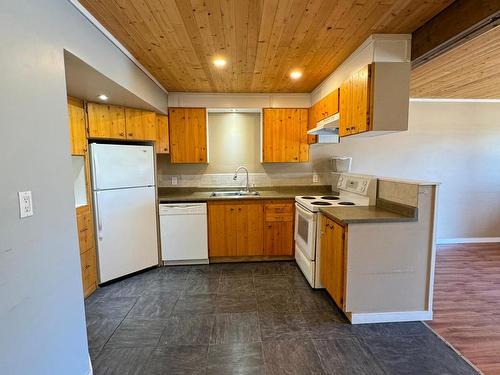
(234, 193)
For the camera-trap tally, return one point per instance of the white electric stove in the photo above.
(353, 190)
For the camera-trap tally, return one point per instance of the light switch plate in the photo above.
(174, 180)
(25, 204)
(315, 178)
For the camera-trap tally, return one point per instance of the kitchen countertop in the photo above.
(366, 214)
(173, 195)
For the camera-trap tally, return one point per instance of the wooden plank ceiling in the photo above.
(470, 71)
(262, 40)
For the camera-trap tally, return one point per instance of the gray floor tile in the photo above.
(195, 304)
(236, 302)
(112, 307)
(202, 285)
(133, 333)
(272, 282)
(99, 330)
(282, 325)
(416, 355)
(277, 300)
(236, 328)
(237, 269)
(347, 356)
(178, 360)
(236, 285)
(157, 306)
(206, 270)
(188, 329)
(272, 268)
(327, 324)
(314, 300)
(162, 286)
(126, 361)
(242, 359)
(391, 329)
(293, 357)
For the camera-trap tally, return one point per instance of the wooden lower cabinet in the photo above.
(278, 227)
(87, 249)
(250, 228)
(235, 228)
(333, 260)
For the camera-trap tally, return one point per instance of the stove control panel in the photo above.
(353, 184)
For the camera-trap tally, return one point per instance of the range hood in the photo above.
(327, 129)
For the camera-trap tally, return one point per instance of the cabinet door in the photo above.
(106, 121)
(311, 123)
(140, 125)
(361, 97)
(331, 103)
(285, 135)
(77, 127)
(278, 228)
(222, 229)
(89, 271)
(188, 135)
(162, 140)
(249, 229)
(332, 263)
(355, 102)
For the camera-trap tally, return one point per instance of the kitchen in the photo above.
(219, 230)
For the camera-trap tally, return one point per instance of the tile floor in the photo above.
(247, 318)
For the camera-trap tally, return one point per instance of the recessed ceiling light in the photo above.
(295, 74)
(103, 97)
(219, 62)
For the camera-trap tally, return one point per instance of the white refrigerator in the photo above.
(123, 186)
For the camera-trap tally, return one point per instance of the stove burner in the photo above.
(330, 198)
(307, 197)
(320, 203)
(347, 203)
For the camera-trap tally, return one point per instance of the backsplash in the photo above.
(221, 180)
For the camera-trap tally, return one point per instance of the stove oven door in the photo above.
(305, 231)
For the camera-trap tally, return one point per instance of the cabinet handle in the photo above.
(239, 209)
(130, 134)
(122, 134)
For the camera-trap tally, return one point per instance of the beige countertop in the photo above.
(173, 195)
(365, 214)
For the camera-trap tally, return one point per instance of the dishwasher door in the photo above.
(183, 228)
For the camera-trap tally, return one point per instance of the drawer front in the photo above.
(278, 211)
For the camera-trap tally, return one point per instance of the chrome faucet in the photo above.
(247, 190)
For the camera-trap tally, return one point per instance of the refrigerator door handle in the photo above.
(98, 214)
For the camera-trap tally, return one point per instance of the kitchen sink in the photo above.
(234, 193)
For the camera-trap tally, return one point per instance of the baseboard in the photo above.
(388, 317)
(450, 241)
(91, 371)
(188, 262)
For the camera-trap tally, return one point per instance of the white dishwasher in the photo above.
(183, 228)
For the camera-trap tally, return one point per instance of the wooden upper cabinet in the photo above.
(162, 138)
(188, 135)
(356, 102)
(77, 126)
(311, 123)
(285, 135)
(327, 106)
(140, 125)
(332, 261)
(106, 121)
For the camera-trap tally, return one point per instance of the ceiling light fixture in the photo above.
(295, 74)
(103, 97)
(219, 62)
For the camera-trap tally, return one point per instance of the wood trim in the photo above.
(460, 22)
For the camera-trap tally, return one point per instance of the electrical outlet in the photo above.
(25, 204)
(174, 180)
(315, 178)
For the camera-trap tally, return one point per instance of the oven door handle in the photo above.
(302, 211)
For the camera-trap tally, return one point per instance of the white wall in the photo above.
(42, 325)
(457, 144)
